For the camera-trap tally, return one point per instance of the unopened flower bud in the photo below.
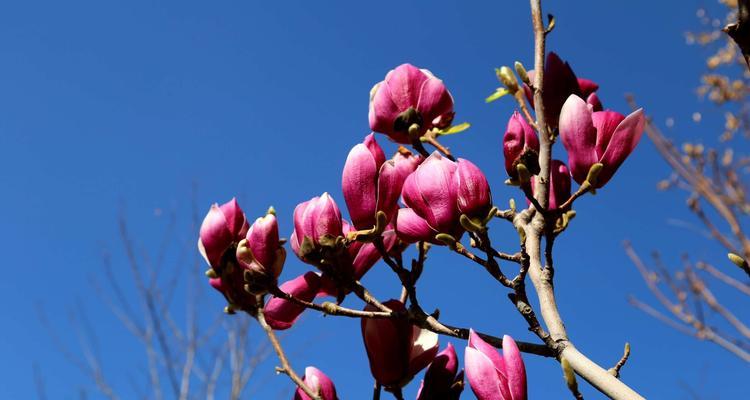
(409, 96)
(319, 383)
(396, 349)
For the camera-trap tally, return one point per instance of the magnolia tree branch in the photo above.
(539, 227)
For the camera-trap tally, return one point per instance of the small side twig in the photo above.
(615, 371)
(285, 367)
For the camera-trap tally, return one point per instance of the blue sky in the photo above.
(123, 106)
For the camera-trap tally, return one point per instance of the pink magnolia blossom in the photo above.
(440, 380)
(223, 227)
(520, 145)
(436, 195)
(407, 96)
(315, 220)
(348, 263)
(371, 184)
(495, 377)
(560, 82)
(261, 252)
(396, 349)
(591, 137)
(319, 383)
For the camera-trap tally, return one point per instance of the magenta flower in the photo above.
(315, 220)
(491, 376)
(559, 82)
(282, 314)
(371, 184)
(591, 137)
(473, 192)
(436, 195)
(407, 96)
(261, 252)
(520, 145)
(396, 349)
(440, 380)
(559, 185)
(319, 383)
(223, 227)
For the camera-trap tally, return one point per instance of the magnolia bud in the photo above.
(409, 96)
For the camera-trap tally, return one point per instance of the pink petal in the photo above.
(282, 314)
(482, 375)
(236, 221)
(594, 102)
(476, 342)
(424, 347)
(215, 236)
(433, 194)
(624, 139)
(587, 86)
(404, 83)
(442, 372)
(412, 228)
(605, 123)
(473, 190)
(319, 383)
(263, 240)
(518, 137)
(387, 342)
(515, 370)
(391, 180)
(359, 183)
(578, 136)
(383, 111)
(326, 218)
(434, 100)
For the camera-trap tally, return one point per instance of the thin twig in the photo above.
(285, 367)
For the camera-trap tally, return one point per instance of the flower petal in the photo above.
(578, 136)
(624, 139)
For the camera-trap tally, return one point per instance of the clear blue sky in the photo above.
(110, 106)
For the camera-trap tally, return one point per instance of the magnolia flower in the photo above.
(261, 253)
(520, 145)
(396, 349)
(436, 195)
(371, 184)
(491, 376)
(223, 227)
(560, 82)
(316, 220)
(319, 383)
(408, 96)
(318, 223)
(591, 137)
(440, 380)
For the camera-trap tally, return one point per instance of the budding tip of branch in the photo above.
(508, 79)
(593, 174)
(737, 260)
(521, 71)
(524, 176)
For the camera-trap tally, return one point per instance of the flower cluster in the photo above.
(597, 141)
(415, 198)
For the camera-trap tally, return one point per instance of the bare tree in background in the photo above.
(185, 357)
(693, 297)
